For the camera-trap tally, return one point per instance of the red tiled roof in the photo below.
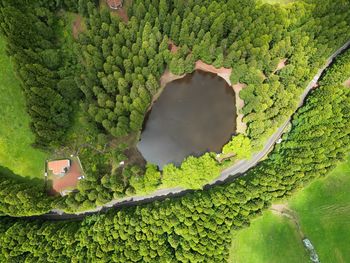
(59, 167)
(115, 3)
(69, 180)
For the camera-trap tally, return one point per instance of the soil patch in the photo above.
(166, 78)
(347, 83)
(169, 77)
(222, 72)
(77, 26)
(135, 157)
(315, 86)
(281, 65)
(279, 208)
(122, 14)
(241, 126)
(172, 47)
(283, 210)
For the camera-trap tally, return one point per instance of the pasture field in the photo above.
(323, 210)
(269, 239)
(16, 137)
(324, 213)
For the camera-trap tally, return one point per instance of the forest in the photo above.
(197, 227)
(110, 75)
(112, 71)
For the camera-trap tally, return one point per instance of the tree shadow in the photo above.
(7, 173)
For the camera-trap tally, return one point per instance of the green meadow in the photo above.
(16, 137)
(323, 209)
(324, 214)
(271, 239)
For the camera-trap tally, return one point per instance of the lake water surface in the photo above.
(193, 115)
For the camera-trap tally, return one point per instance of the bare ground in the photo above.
(122, 14)
(241, 126)
(284, 210)
(224, 73)
(169, 77)
(166, 78)
(347, 83)
(172, 47)
(281, 64)
(316, 85)
(135, 157)
(77, 26)
(278, 208)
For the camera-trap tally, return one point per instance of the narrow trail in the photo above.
(284, 210)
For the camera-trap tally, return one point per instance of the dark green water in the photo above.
(192, 116)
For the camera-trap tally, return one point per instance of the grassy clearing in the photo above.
(324, 212)
(70, 26)
(16, 137)
(270, 239)
(323, 209)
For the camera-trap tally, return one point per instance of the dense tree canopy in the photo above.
(196, 227)
(120, 67)
(113, 70)
(46, 71)
(21, 197)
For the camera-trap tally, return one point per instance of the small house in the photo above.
(59, 167)
(115, 4)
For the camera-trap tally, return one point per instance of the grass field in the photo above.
(270, 239)
(324, 213)
(323, 209)
(16, 137)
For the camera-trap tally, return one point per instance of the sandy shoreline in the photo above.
(225, 73)
(241, 125)
(164, 80)
(222, 72)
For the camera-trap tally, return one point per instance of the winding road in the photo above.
(235, 171)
